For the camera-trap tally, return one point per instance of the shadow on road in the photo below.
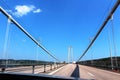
(76, 72)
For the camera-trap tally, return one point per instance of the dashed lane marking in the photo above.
(55, 71)
(91, 74)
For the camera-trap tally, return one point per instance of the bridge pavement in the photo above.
(86, 73)
(72, 70)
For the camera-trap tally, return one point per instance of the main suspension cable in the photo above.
(101, 28)
(28, 34)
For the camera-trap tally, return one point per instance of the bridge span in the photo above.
(86, 73)
(73, 71)
(55, 69)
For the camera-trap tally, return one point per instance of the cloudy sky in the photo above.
(58, 24)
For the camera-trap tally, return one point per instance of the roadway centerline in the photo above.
(90, 74)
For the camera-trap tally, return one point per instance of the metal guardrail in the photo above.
(31, 67)
(103, 63)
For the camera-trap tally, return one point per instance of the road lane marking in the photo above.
(37, 72)
(55, 71)
(91, 74)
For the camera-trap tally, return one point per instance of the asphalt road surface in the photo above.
(64, 71)
(97, 74)
(85, 73)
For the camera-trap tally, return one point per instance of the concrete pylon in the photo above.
(70, 54)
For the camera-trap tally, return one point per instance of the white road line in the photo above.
(37, 72)
(90, 74)
(55, 71)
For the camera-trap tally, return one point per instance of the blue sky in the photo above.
(58, 24)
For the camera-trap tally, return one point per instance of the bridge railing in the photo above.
(31, 68)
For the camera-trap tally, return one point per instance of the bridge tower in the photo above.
(70, 54)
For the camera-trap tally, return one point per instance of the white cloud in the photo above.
(22, 10)
(37, 11)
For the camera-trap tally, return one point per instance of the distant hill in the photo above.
(12, 62)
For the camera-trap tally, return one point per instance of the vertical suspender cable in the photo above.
(113, 35)
(72, 54)
(110, 50)
(68, 54)
(5, 55)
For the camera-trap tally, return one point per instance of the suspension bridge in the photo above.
(107, 68)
